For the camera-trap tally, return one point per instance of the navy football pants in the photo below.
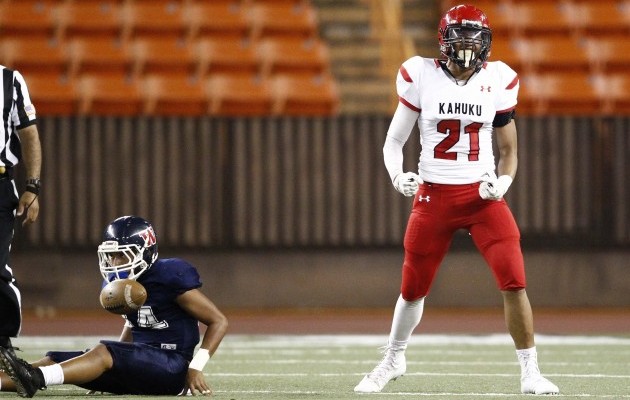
(138, 369)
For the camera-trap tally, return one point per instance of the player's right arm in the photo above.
(405, 117)
(399, 130)
(126, 336)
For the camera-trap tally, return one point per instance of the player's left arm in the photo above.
(508, 149)
(196, 304)
(505, 132)
(495, 188)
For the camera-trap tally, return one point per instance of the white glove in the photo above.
(407, 183)
(493, 188)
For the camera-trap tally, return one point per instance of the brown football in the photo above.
(123, 296)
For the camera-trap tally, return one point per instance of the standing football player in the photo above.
(458, 103)
(155, 353)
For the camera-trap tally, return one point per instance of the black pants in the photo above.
(10, 311)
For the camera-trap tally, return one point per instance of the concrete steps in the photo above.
(355, 52)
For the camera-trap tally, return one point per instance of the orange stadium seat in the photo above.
(52, 94)
(559, 93)
(299, 95)
(100, 55)
(614, 89)
(88, 19)
(27, 18)
(290, 2)
(109, 95)
(227, 55)
(157, 18)
(611, 54)
(163, 55)
(552, 53)
(223, 19)
(289, 20)
(505, 50)
(35, 55)
(188, 3)
(542, 18)
(603, 18)
(293, 55)
(117, 2)
(238, 94)
(174, 95)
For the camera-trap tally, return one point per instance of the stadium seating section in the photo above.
(169, 57)
(266, 57)
(572, 55)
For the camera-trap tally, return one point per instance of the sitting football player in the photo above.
(155, 353)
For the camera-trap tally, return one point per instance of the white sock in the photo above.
(407, 315)
(53, 374)
(528, 358)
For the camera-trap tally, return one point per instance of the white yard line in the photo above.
(307, 341)
(417, 394)
(458, 374)
(379, 340)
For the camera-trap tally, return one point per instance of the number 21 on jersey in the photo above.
(452, 129)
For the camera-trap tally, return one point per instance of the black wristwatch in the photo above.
(33, 185)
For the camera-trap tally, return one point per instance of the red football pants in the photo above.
(440, 210)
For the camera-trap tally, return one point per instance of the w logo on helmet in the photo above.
(149, 237)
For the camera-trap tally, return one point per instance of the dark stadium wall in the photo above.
(339, 278)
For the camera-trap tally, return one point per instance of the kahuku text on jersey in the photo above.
(460, 108)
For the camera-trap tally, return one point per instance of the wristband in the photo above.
(33, 185)
(504, 182)
(32, 189)
(200, 360)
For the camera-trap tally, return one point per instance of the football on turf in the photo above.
(123, 296)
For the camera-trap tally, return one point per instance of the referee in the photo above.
(19, 141)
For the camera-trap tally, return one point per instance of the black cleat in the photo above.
(5, 342)
(28, 380)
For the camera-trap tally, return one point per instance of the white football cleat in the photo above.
(537, 384)
(392, 366)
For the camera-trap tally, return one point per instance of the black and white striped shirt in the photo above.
(17, 113)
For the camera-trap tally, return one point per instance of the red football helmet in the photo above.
(465, 36)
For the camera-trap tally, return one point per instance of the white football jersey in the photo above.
(456, 121)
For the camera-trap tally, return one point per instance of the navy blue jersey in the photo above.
(160, 322)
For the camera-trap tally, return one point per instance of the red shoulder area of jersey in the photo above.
(405, 74)
(513, 83)
(409, 105)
